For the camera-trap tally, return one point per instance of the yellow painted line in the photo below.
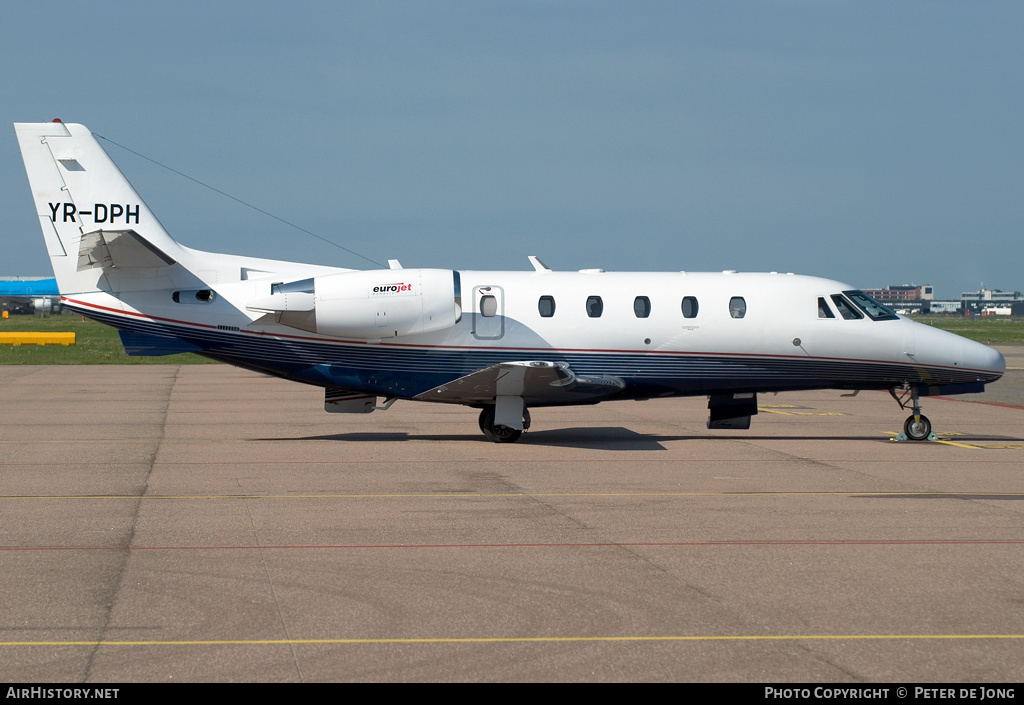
(978, 446)
(450, 495)
(26, 338)
(971, 446)
(519, 640)
(773, 410)
(958, 445)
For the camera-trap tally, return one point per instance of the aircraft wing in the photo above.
(537, 382)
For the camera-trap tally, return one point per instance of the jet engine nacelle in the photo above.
(369, 305)
(44, 304)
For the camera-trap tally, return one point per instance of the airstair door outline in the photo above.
(488, 312)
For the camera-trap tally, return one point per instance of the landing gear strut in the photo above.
(917, 427)
(496, 433)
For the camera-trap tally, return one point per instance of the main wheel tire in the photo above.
(497, 433)
(917, 430)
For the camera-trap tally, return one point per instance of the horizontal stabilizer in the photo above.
(119, 249)
(537, 382)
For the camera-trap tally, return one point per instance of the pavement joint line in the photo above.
(606, 544)
(475, 495)
(449, 463)
(514, 640)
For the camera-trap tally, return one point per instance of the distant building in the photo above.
(902, 293)
(990, 299)
(945, 307)
(994, 296)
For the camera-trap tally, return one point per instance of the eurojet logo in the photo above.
(100, 213)
(385, 289)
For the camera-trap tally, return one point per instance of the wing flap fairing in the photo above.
(537, 382)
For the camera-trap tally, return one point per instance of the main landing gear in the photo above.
(497, 433)
(917, 427)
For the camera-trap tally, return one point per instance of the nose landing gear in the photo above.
(917, 427)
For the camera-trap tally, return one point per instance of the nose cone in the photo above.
(961, 360)
(988, 362)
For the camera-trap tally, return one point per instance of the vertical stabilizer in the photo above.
(94, 223)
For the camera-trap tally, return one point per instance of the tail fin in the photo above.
(99, 234)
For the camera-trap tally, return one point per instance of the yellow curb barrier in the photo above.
(37, 338)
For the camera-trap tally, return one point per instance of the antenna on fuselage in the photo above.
(537, 264)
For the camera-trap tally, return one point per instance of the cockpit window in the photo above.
(846, 310)
(823, 309)
(875, 310)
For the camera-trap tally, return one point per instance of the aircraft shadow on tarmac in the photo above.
(597, 438)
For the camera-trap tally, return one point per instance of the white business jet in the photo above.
(503, 342)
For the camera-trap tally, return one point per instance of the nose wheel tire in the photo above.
(917, 429)
(497, 433)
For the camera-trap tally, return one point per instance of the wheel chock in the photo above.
(901, 436)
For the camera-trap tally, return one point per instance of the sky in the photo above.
(876, 143)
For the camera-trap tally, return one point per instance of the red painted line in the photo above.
(122, 312)
(681, 544)
(541, 351)
(987, 403)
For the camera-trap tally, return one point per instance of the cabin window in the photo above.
(595, 307)
(641, 307)
(546, 306)
(690, 307)
(823, 309)
(737, 307)
(488, 306)
(845, 309)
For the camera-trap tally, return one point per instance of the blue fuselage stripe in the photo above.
(407, 371)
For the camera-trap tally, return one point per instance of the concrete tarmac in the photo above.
(202, 523)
